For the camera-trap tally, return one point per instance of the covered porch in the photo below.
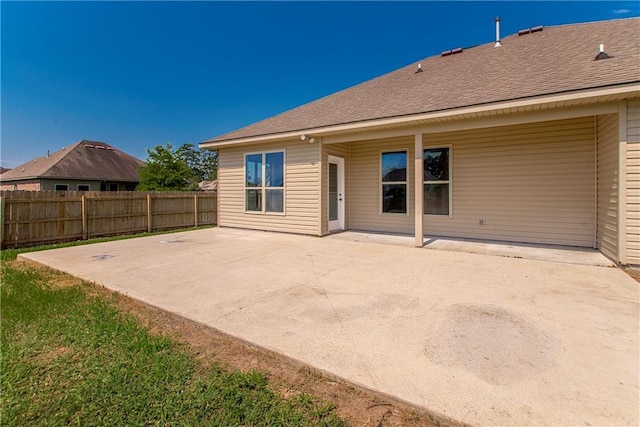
(544, 177)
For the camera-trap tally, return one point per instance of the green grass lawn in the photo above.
(69, 357)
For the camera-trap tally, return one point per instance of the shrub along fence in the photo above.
(30, 218)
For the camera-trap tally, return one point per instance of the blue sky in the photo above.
(140, 74)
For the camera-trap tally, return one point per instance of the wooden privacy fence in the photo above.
(38, 217)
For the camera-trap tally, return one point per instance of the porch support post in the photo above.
(419, 193)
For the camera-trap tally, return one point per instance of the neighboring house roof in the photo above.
(3, 170)
(558, 59)
(84, 160)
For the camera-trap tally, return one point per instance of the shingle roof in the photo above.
(555, 60)
(90, 160)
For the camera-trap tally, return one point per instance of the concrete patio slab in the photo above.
(484, 339)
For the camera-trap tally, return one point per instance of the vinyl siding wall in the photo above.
(633, 182)
(363, 200)
(302, 191)
(530, 183)
(607, 232)
(339, 150)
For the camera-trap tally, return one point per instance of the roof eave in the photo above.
(19, 178)
(631, 89)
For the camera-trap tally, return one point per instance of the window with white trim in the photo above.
(393, 166)
(437, 181)
(264, 182)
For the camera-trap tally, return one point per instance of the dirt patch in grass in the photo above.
(46, 358)
(356, 405)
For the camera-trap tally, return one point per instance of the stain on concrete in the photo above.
(321, 306)
(498, 346)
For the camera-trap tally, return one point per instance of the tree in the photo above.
(203, 163)
(182, 169)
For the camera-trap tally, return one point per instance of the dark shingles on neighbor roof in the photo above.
(89, 160)
(555, 60)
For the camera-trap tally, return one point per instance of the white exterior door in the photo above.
(336, 196)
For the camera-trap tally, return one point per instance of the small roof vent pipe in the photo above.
(602, 54)
(498, 42)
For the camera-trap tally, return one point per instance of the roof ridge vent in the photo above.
(451, 51)
(535, 29)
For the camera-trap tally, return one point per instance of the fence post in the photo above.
(195, 209)
(1, 221)
(85, 232)
(148, 213)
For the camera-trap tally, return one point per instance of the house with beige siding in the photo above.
(531, 138)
